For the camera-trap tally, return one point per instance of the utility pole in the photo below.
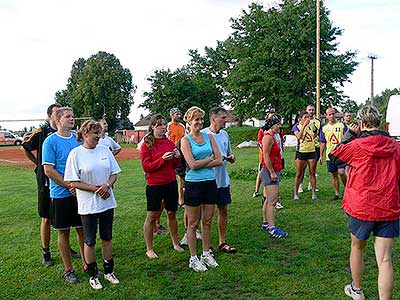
(318, 64)
(372, 57)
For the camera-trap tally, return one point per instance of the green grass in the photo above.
(310, 264)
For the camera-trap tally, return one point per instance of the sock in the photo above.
(45, 249)
(206, 253)
(193, 257)
(92, 269)
(355, 289)
(108, 266)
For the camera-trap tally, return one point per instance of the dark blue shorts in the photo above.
(332, 168)
(362, 229)
(223, 196)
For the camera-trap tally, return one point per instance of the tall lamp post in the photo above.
(104, 107)
(318, 64)
(372, 57)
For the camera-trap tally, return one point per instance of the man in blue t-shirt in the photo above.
(218, 119)
(64, 212)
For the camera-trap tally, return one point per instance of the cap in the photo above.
(174, 110)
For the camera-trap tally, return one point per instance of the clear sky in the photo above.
(41, 39)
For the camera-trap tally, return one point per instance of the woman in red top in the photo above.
(371, 198)
(270, 174)
(159, 160)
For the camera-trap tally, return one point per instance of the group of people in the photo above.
(82, 173)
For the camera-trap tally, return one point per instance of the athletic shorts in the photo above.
(305, 155)
(362, 229)
(157, 193)
(317, 153)
(44, 202)
(332, 167)
(223, 196)
(64, 213)
(202, 192)
(89, 222)
(266, 177)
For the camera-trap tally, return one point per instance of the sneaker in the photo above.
(255, 194)
(184, 241)
(314, 197)
(111, 278)
(75, 254)
(353, 293)
(161, 230)
(275, 232)
(263, 200)
(209, 261)
(70, 277)
(309, 188)
(264, 227)
(336, 197)
(198, 234)
(278, 205)
(301, 188)
(47, 261)
(296, 197)
(95, 283)
(197, 265)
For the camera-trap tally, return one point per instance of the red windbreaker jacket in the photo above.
(372, 189)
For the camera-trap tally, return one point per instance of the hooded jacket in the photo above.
(372, 189)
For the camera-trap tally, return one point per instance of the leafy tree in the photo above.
(269, 60)
(350, 106)
(181, 88)
(100, 83)
(381, 102)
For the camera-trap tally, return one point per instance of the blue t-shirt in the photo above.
(224, 146)
(200, 151)
(56, 149)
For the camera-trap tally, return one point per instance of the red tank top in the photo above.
(274, 155)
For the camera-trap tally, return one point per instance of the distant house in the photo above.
(255, 122)
(232, 120)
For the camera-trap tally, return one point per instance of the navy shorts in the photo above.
(362, 229)
(333, 168)
(305, 155)
(89, 222)
(266, 177)
(202, 192)
(223, 196)
(157, 193)
(64, 213)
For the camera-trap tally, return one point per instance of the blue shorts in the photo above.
(362, 229)
(333, 168)
(266, 179)
(223, 196)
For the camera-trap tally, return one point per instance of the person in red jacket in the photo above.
(371, 197)
(159, 160)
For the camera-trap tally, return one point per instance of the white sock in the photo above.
(193, 257)
(206, 253)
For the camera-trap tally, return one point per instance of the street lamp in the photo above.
(104, 107)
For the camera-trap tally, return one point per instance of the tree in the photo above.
(99, 83)
(381, 102)
(182, 88)
(269, 60)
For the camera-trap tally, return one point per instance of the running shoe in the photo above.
(276, 233)
(75, 254)
(255, 194)
(296, 197)
(336, 197)
(95, 283)
(314, 197)
(111, 278)
(198, 234)
(209, 261)
(197, 265)
(301, 188)
(70, 277)
(278, 205)
(355, 294)
(184, 241)
(162, 230)
(47, 261)
(264, 227)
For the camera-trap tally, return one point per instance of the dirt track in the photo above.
(14, 156)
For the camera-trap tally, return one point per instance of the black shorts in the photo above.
(223, 196)
(168, 192)
(305, 156)
(202, 192)
(317, 153)
(64, 213)
(89, 222)
(44, 202)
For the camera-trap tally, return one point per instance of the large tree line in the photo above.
(268, 61)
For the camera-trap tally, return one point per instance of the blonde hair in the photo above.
(192, 112)
(60, 112)
(370, 116)
(149, 137)
(87, 126)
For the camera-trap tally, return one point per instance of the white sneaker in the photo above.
(278, 205)
(209, 261)
(95, 283)
(198, 234)
(301, 188)
(256, 194)
(309, 188)
(111, 278)
(197, 265)
(354, 294)
(184, 241)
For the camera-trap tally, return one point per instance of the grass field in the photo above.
(312, 263)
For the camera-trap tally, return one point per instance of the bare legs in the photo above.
(148, 229)
(65, 247)
(206, 212)
(45, 233)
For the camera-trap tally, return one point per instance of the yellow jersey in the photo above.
(306, 144)
(317, 125)
(332, 134)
